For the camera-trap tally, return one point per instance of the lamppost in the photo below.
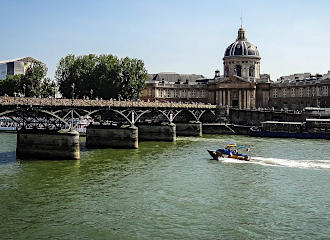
(72, 86)
(91, 94)
(24, 86)
(72, 105)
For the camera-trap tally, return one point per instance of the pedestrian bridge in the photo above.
(53, 113)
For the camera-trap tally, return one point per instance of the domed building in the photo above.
(241, 86)
(242, 58)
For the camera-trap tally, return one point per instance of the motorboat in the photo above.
(230, 151)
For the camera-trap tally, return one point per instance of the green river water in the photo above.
(169, 191)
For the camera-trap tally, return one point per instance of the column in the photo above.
(221, 102)
(248, 99)
(240, 98)
(244, 98)
(224, 97)
(216, 97)
(229, 103)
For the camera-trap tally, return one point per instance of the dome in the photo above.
(241, 47)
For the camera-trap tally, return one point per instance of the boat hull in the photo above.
(218, 154)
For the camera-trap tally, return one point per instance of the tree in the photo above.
(105, 76)
(47, 88)
(132, 71)
(10, 85)
(31, 81)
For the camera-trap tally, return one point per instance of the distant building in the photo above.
(175, 87)
(242, 85)
(298, 91)
(15, 66)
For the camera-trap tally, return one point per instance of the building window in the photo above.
(168, 93)
(175, 93)
(149, 92)
(238, 70)
(184, 93)
(275, 92)
(193, 93)
(301, 92)
(313, 91)
(284, 92)
(308, 92)
(325, 90)
(292, 92)
(203, 93)
(251, 71)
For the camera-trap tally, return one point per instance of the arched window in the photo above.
(251, 71)
(238, 70)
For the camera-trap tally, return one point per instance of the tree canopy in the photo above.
(103, 76)
(32, 83)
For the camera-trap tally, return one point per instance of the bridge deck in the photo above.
(13, 101)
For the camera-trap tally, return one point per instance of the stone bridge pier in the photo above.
(165, 131)
(43, 144)
(111, 136)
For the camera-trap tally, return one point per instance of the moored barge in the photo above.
(310, 129)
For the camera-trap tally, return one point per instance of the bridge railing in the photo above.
(96, 103)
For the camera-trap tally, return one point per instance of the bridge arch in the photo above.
(144, 113)
(184, 114)
(110, 110)
(19, 110)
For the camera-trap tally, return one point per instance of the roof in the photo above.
(23, 59)
(241, 47)
(174, 77)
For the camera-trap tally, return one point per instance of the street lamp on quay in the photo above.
(72, 106)
(91, 94)
(72, 86)
(24, 86)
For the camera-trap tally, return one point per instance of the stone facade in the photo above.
(175, 88)
(300, 93)
(241, 86)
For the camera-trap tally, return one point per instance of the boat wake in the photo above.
(316, 164)
(276, 162)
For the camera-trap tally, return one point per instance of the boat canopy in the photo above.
(237, 146)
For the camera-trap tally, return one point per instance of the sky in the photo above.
(183, 36)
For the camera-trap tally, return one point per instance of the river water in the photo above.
(169, 191)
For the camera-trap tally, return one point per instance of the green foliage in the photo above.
(10, 85)
(47, 88)
(103, 76)
(32, 83)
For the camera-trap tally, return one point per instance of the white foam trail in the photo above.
(232, 160)
(317, 164)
